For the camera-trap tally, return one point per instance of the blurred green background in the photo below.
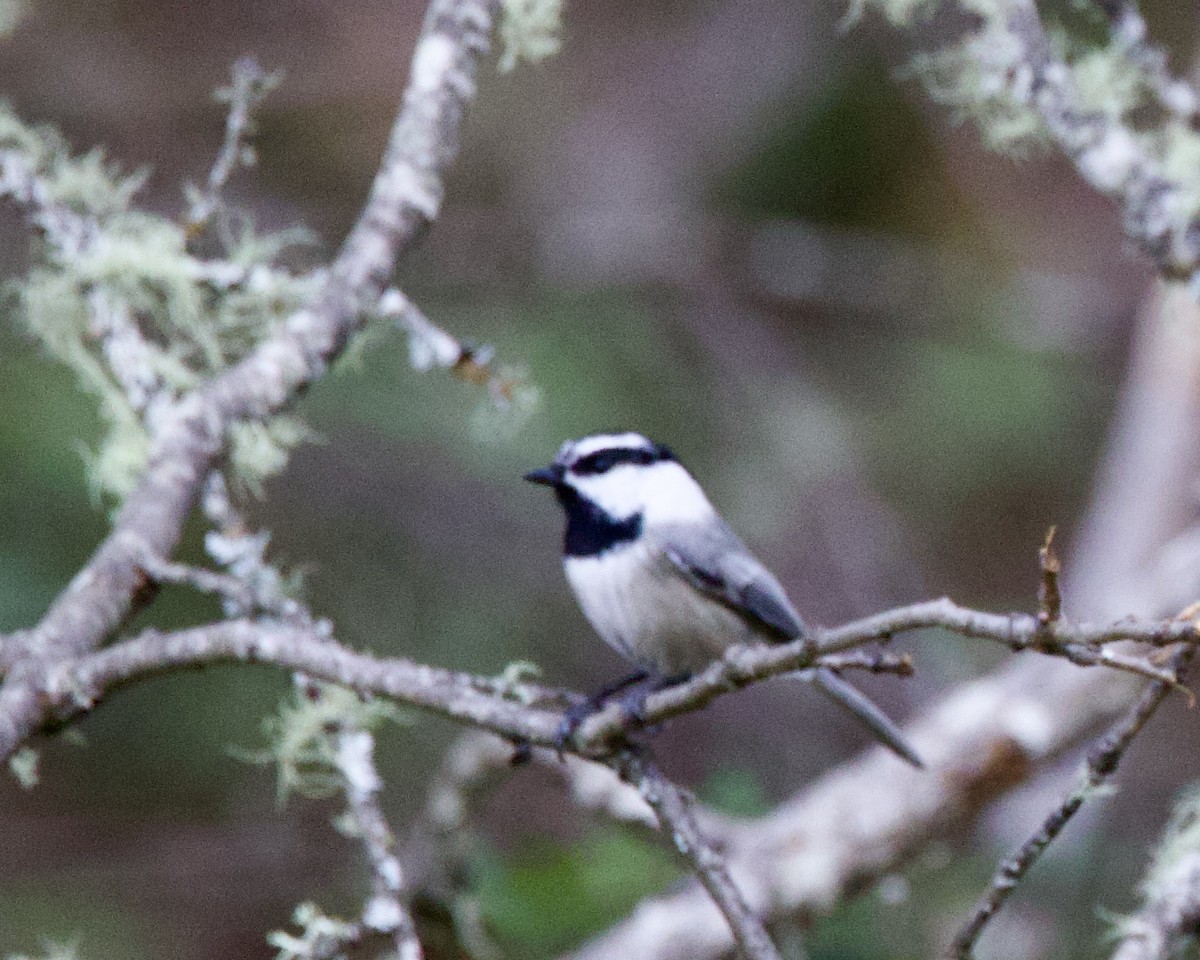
(888, 355)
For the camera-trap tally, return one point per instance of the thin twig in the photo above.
(229, 588)
(898, 664)
(431, 346)
(1049, 594)
(249, 84)
(1102, 761)
(675, 816)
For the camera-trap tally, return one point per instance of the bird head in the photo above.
(624, 475)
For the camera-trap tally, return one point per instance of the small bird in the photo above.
(664, 580)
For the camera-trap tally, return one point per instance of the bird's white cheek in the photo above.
(661, 492)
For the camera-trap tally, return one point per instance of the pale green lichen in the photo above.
(302, 737)
(1108, 83)
(192, 318)
(979, 77)
(512, 683)
(1180, 153)
(51, 950)
(530, 31)
(91, 182)
(260, 449)
(320, 936)
(24, 767)
(1180, 842)
(985, 74)
(1169, 882)
(11, 14)
(899, 13)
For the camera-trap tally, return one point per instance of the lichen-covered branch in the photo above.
(386, 911)
(1169, 919)
(187, 438)
(1007, 74)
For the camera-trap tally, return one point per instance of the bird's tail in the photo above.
(856, 703)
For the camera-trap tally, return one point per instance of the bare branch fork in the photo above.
(1102, 762)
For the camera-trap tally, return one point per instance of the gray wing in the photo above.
(718, 564)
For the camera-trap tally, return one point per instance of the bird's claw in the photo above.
(633, 715)
(572, 719)
(633, 706)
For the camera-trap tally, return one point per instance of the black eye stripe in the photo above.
(604, 460)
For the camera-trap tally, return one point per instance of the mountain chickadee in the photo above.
(664, 580)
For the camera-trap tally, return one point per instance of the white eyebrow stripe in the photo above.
(609, 441)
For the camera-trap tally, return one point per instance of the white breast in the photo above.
(642, 607)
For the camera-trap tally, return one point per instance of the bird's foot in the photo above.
(634, 691)
(572, 720)
(633, 705)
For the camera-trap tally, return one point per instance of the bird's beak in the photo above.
(550, 476)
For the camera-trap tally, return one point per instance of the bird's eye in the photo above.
(596, 463)
(604, 460)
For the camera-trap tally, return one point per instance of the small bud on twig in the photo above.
(1049, 597)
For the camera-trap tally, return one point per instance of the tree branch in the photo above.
(59, 690)
(676, 819)
(1105, 151)
(1102, 762)
(386, 911)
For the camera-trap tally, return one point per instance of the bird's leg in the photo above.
(575, 714)
(633, 701)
